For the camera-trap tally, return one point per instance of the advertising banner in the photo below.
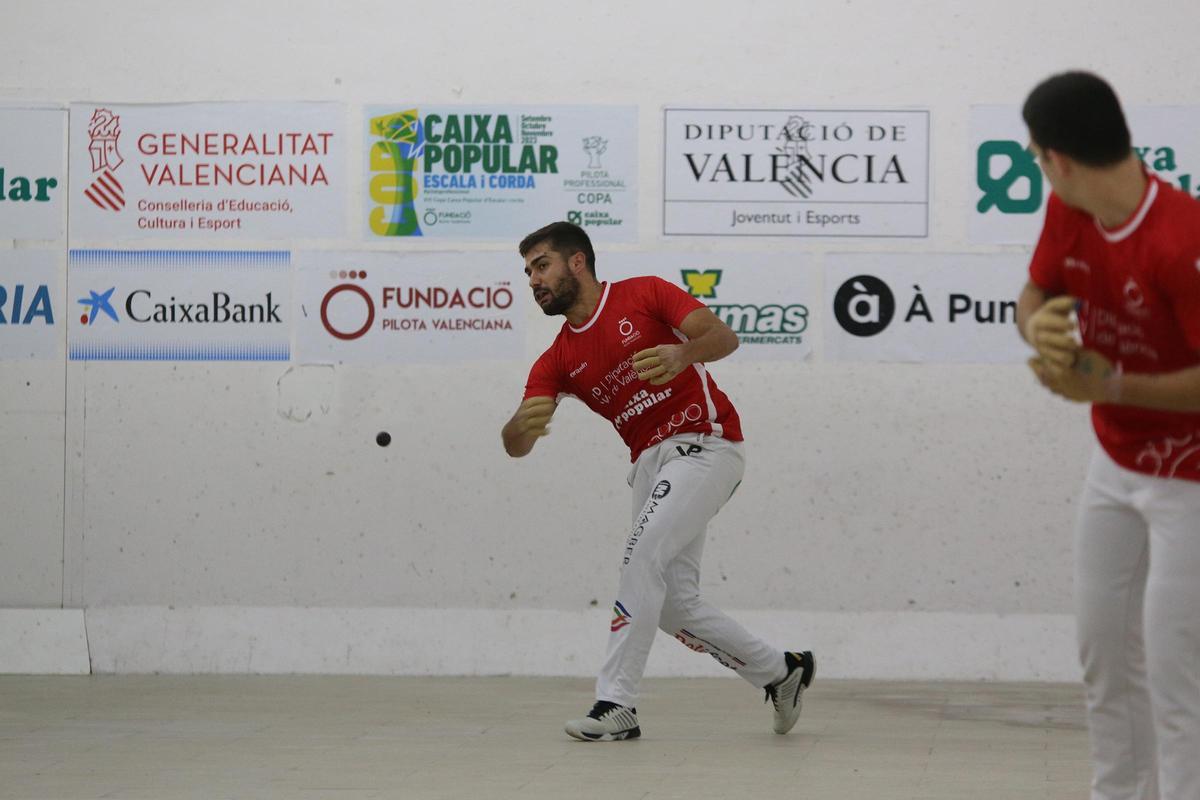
(923, 307)
(372, 307)
(500, 172)
(767, 299)
(179, 305)
(33, 172)
(795, 172)
(207, 171)
(31, 313)
(1009, 191)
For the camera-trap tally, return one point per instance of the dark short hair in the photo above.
(565, 238)
(1078, 114)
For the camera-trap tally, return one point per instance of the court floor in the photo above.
(353, 738)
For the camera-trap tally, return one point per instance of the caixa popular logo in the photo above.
(25, 304)
(1011, 182)
(142, 306)
(349, 310)
(1009, 177)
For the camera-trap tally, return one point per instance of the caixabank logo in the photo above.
(754, 323)
(179, 306)
(142, 307)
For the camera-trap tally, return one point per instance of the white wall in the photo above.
(871, 491)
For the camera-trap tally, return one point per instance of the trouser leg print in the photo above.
(682, 482)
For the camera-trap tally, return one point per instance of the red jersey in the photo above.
(1139, 287)
(594, 363)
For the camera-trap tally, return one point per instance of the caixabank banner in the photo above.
(795, 172)
(377, 308)
(923, 307)
(31, 312)
(33, 172)
(207, 171)
(499, 172)
(1009, 191)
(179, 305)
(768, 299)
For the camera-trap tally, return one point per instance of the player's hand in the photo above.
(1092, 379)
(533, 416)
(1051, 330)
(661, 364)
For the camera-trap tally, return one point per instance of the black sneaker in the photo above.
(786, 694)
(606, 722)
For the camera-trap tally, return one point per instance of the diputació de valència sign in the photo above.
(796, 172)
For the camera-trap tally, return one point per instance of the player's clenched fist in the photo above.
(1050, 330)
(1092, 378)
(530, 422)
(533, 416)
(659, 365)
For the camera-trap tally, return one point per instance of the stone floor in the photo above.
(352, 738)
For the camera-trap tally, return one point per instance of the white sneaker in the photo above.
(786, 694)
(606, 722)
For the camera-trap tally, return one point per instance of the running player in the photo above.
(1123, 248)
(634, 352)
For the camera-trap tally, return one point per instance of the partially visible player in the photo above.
(634, 352)
(1123, 248)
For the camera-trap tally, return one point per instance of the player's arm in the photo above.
(530, 422)
(708, 339)
(1094, 379)
(1045, 323)
(1168, 391)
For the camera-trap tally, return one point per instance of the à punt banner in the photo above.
(207, 171)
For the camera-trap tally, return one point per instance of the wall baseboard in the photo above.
(43, 641)
(408, 641)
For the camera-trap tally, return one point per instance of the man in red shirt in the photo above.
(634, 352)
(1121, 249)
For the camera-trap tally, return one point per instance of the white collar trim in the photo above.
(595, 314)
(1124, 233)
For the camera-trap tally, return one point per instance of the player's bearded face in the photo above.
(556, 297)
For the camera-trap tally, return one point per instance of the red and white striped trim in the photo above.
(1125, 231)
(595, 314)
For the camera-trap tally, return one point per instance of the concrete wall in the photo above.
(190, 516)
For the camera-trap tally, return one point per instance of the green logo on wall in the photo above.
(765, 324)
(998, 191)
(399, 143)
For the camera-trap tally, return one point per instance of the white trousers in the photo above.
(1137, 602)
(678, 486)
